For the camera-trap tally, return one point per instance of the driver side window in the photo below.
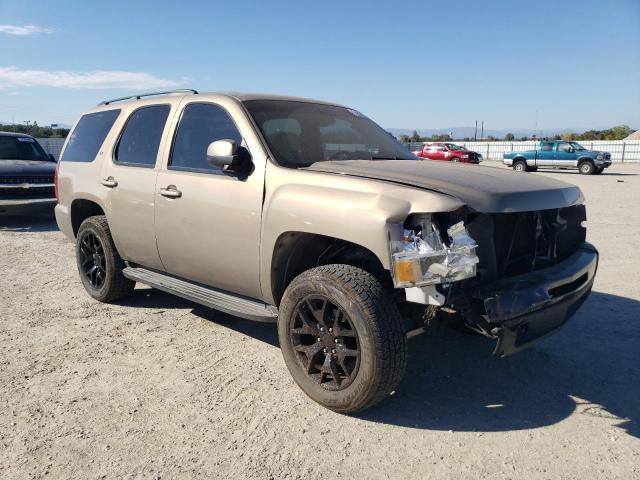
(200, 124)
(564, 147)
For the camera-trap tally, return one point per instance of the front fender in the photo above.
(360, 211)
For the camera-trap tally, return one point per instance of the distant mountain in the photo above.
(467, 132)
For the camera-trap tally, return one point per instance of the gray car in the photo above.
(309, 215)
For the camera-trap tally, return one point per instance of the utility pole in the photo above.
(482, 131)
(475, 133)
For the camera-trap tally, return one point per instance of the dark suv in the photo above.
(26, 175)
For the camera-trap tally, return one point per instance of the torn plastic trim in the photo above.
(421, 258)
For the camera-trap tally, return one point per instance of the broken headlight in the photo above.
(422, 258)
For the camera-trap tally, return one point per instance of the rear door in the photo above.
(129, 178)
(545, 155)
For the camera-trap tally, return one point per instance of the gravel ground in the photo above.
(159, 387)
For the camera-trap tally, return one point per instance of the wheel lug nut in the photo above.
(331, 330)
(336, 340)
(333, 350)
(321, 329)
(318, 338)
(324, 350)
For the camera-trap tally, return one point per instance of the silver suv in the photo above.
(308, 214)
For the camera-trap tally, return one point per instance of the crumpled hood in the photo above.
(483, 189)
(25, 168)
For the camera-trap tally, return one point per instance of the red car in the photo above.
(448, 151)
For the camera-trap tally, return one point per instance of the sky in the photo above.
(405, 64)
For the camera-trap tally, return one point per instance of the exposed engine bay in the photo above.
(489, 270)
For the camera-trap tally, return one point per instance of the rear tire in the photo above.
(99, 263)
(586, 167)
(342, 337)
(520, 166)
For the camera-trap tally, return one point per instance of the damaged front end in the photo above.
(514, 277)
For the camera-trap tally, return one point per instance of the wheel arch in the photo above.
(81, 209)
(295, 252)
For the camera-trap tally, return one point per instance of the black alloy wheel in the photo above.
(99, 263)
(92, 259)
(325, 342)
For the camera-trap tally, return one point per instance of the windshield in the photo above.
(453, 146)
(302, 133)
(577, 146)
(21, 148)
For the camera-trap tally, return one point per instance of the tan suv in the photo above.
(309, 214)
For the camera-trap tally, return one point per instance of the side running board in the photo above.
(209, 297)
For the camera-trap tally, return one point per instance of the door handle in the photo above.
(170, 192)
(109, 182)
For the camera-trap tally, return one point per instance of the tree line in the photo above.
(35, 130)
(619, 132)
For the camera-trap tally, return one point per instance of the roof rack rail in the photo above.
(151, 94)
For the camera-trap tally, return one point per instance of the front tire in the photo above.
(586, 168)
(455, 159)
(99, 263)
(342, 337)
(599, 170)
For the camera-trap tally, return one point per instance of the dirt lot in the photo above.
(159, 387)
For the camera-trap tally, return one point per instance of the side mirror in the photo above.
(225, 154)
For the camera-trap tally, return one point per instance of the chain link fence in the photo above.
(620, 150)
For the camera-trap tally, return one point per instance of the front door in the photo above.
(208, 221)
(129, 178)
(565, 155)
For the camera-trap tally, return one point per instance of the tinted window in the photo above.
(21, 148)
(201, 124)
(302, 133)
(87, 137)
(141, 136)
(546, 146)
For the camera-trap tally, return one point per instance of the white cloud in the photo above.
(25, 29)
(12, 77)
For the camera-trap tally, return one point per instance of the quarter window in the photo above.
(87, 137)
(547, 146)
(201, 124)
(141, 136)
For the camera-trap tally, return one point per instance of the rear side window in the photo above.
(86, 139)
(141, 136)
(200, 124)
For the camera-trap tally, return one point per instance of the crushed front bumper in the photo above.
(527, 307)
